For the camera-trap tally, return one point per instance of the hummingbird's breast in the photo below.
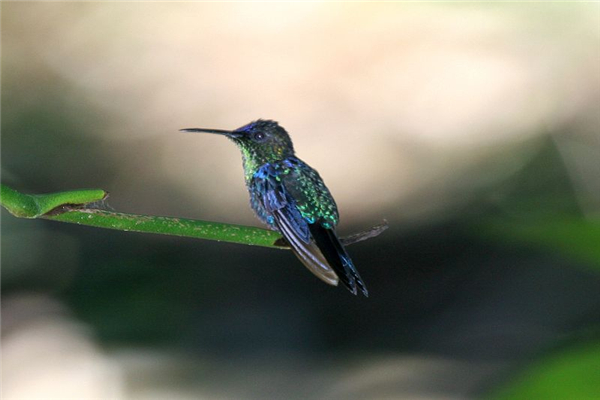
(260, 184)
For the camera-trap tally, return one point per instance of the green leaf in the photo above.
(33, 206)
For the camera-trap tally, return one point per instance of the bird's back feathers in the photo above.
(292, 198)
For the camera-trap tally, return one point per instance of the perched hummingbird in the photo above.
(290, 197)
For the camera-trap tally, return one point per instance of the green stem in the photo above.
(80, 207)
(74, 207)
(171, 226)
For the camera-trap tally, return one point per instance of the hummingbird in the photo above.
(290, 197)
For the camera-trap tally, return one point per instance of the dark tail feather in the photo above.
(338, 258)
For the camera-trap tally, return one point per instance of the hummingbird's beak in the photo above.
(231, 134)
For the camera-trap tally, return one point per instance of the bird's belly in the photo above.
(260, 211)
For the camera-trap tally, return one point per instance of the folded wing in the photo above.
(317, 246)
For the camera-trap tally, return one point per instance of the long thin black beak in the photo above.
(232, 134)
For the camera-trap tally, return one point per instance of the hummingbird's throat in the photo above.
(254, 157)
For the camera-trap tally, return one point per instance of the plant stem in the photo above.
(81, 207)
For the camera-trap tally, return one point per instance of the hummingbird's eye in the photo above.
(258, 136)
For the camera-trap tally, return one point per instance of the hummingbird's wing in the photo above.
(307, 252)
(304, 185)
(305, 214)
(293, 226)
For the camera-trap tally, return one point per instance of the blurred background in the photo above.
(472, 128)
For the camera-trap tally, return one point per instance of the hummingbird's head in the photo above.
(260, 141)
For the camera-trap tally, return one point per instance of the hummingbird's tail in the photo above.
(337, 257)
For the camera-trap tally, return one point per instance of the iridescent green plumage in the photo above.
(290, 196)
(312, 196)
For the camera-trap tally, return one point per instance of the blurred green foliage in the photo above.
(540, 208)
(571, 374)
(570, 235)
